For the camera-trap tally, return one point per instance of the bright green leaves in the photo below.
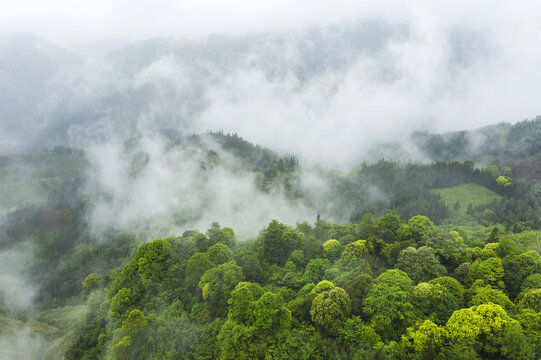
(490, 271)
(531, 300)
(330, 309)
(332, 249)
(389, 303)
(91, 283)
(269, 315)
(354, 252)
(483, 323)
(426, 341)
(241, 302)
(135, 325)
(420, 228)
(120, 304)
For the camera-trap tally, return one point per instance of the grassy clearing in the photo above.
(465, 194)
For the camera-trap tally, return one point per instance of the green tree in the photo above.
(241, 302)
(216, 234)
(358, 334)
(217, 284)
(390, 221)
(91, 283)
(493, 171)
(420, 228)
(252, 270)
(425, 342)
(452, 285)
(332, 249)
(482, 326)
(485, 295)
(219, 254)
(490, 271)
(120, 304)
(153, 260)
(420, 264)
(389, 303)
(357, 289)
(274, 250)
(330, 309)
(531, 300)
(196, 266)
(354, 252)
(315, 270)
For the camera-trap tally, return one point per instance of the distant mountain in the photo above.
(28, 65)
(50, 97)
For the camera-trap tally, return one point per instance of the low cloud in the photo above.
(158, 190)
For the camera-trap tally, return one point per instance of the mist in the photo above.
(158, 189)
(141, 88)
(328, 87)
(320, 85)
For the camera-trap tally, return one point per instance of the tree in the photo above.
(389, 303)
(217, 284)
(469, 210)
(515, 344)
(315, 270)
(269, 317)
(420, 264)
(241, 302)
(274, 250)
(356, 333)
(420, 228)
(434, 302)
(354, 251)
(483, 325)
(494, 236)
(357, 289)
(426, 341)
(390, 221)
(532, 300)
(92, 282)
(217, 235)
(332, 249)
(196, 266)
(490, 271)
(153, 260)
(452, 285)
(530, 283)
(330, 309)
(485, 295)
(493, 171)
(252, 270)
(502, 181)
(120, 304)
(219, 254)
(135, 325)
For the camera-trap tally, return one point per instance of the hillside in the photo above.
(115, 293)
(459, 198)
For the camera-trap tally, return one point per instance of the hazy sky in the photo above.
(68, 21)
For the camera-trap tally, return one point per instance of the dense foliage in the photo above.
(313, 291)
(405, 274)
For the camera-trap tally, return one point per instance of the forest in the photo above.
(401, 260)
(257, 180)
